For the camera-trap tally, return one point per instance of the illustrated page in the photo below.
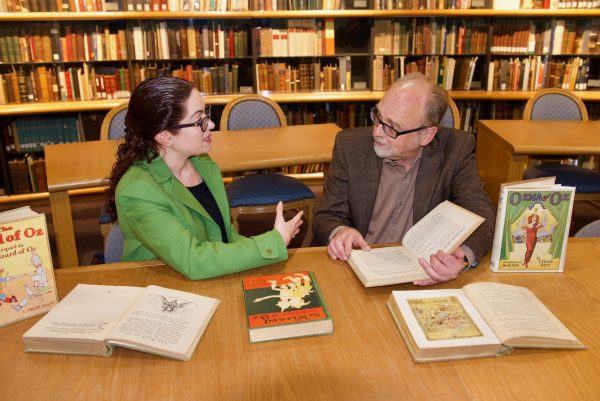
(165, 319)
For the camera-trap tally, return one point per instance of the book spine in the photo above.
(499, 230)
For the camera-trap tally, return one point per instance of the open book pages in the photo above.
(482, 319)
(92, 319)
(518, 317)
(532, 226)
(445, 228)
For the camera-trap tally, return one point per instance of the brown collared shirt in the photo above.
(393, 210)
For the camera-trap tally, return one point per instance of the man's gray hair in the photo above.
(437, 100)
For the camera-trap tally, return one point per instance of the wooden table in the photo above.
(504, 147)
(87, 164)
(364, 359)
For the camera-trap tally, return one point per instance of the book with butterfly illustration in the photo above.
(94, 319)
(285, 306)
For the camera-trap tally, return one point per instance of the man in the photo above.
(384, 179)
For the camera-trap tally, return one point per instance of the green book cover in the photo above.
(285, 305)
(532, 226)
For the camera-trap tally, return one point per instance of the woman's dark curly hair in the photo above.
(155, 105)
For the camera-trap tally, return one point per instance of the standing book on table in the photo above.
(27, 286)
(532, 226)
(285, 306)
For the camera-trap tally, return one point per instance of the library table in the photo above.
(87, 164)
(504, 147)
(364, 359)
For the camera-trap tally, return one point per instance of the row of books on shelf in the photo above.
(488, 4)
(345, 115)
(424, 36)
(549, 37)
(166, 41)
(24, 6)
(42, 84)
(32, 134)
(27, 175)
(534, 73)
(274, 5)
(448, 72)
(45, 44)
(304, 168)
(283, 77)
(298, 37)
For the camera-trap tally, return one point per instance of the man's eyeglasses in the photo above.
(202, 123)
(389, 131)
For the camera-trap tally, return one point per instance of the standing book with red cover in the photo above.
(285, 305)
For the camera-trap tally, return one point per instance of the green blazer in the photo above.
(160, 218)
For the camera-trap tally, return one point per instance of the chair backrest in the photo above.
(113, 248)
(555, 104)
(252, 111)
(451, 117)
(589, 230)
(113, 125)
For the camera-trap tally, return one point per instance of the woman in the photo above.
(169, 194)
(531, 229)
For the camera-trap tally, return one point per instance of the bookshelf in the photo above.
(144, 43)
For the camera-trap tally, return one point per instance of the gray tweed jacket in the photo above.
(447, 171)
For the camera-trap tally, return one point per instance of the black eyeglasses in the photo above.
(202, 123)
(390, 131)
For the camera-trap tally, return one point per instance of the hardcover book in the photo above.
(479, 320)
(27, 286)
(445, 228)
(532, 226)
(93, 319)
(285, 306)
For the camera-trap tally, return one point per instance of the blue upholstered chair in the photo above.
(113, 125)
(589, 230)
(113, 246)
(451, 117)
(260, 193)
(559, 104)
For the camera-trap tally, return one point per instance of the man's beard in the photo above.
(381, 151)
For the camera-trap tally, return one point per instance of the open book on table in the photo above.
(93, 319)
(445, 228)
(483, 319)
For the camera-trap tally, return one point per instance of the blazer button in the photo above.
(269, 251)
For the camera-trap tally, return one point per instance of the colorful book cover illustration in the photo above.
(443, 318)
(283, 300)
(534, 228)
(27, 286)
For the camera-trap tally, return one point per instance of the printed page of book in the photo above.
(445, 228)
(443, 319)
(165, 322)
(518, 317)
(384, 266)
(82, 320)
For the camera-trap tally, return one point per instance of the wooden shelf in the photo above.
(299, 97)
(133, 15)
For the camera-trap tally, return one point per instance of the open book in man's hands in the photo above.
(93, 319)
(445, 228)
(483, 319)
